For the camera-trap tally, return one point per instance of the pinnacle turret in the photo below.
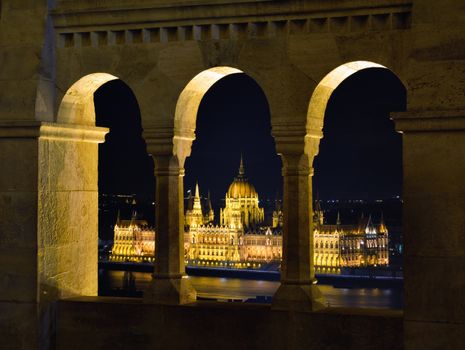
(197, 205)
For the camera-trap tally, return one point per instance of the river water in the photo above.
(115, 282)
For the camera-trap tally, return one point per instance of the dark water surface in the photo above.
(115, 282)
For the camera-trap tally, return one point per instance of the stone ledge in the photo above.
(52, 131)
(421, 121)
(202, 304)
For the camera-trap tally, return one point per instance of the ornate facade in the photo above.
(241, 241)
(338, 246)
(229, 246)
(235, 246)
(213, 246)
(134, 240)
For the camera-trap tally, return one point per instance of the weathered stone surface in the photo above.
(68, 243)
(18, 326)
(429, 237)
(67, 217)
(21, 156)
(68, 166)
(18, 274)
(170, 291)
(435, 289)
(432, 335)
(18, 225)
(306, 297)
(107, 323)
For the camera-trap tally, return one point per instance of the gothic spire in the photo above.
(118, 218)
(133, 218)
(209, 202)
(241, 167)
(382, 225)
(197, 205)
(369, 228)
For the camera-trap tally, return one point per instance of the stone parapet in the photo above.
(95, 323)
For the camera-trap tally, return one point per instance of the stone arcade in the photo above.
(55, 54)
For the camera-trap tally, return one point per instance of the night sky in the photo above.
(227, 127)
(360, 155)
(124, 166)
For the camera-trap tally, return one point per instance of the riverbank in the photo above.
(337, 281)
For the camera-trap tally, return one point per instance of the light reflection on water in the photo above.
(242, 289)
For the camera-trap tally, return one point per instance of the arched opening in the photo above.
(188, 105)
(358, 171)
(68, 195)
(126, 192)
(229, 113)
(116, 177)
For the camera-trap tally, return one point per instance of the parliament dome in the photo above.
(241, 187)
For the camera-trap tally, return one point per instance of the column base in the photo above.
(170, 291)
(298, 297)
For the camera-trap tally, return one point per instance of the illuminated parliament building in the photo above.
(134, 240)
(243, 240)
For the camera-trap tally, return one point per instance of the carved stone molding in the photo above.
(52, 131)
(421, 121)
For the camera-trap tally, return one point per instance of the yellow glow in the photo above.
(77, 106)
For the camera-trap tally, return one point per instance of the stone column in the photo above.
(48, 224)
(434, 228)
(169, 283)
(298, 289)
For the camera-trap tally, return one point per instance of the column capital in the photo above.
(432, 120)
(166, 140)
(289, 138)
(296, 138)
(159, 139)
